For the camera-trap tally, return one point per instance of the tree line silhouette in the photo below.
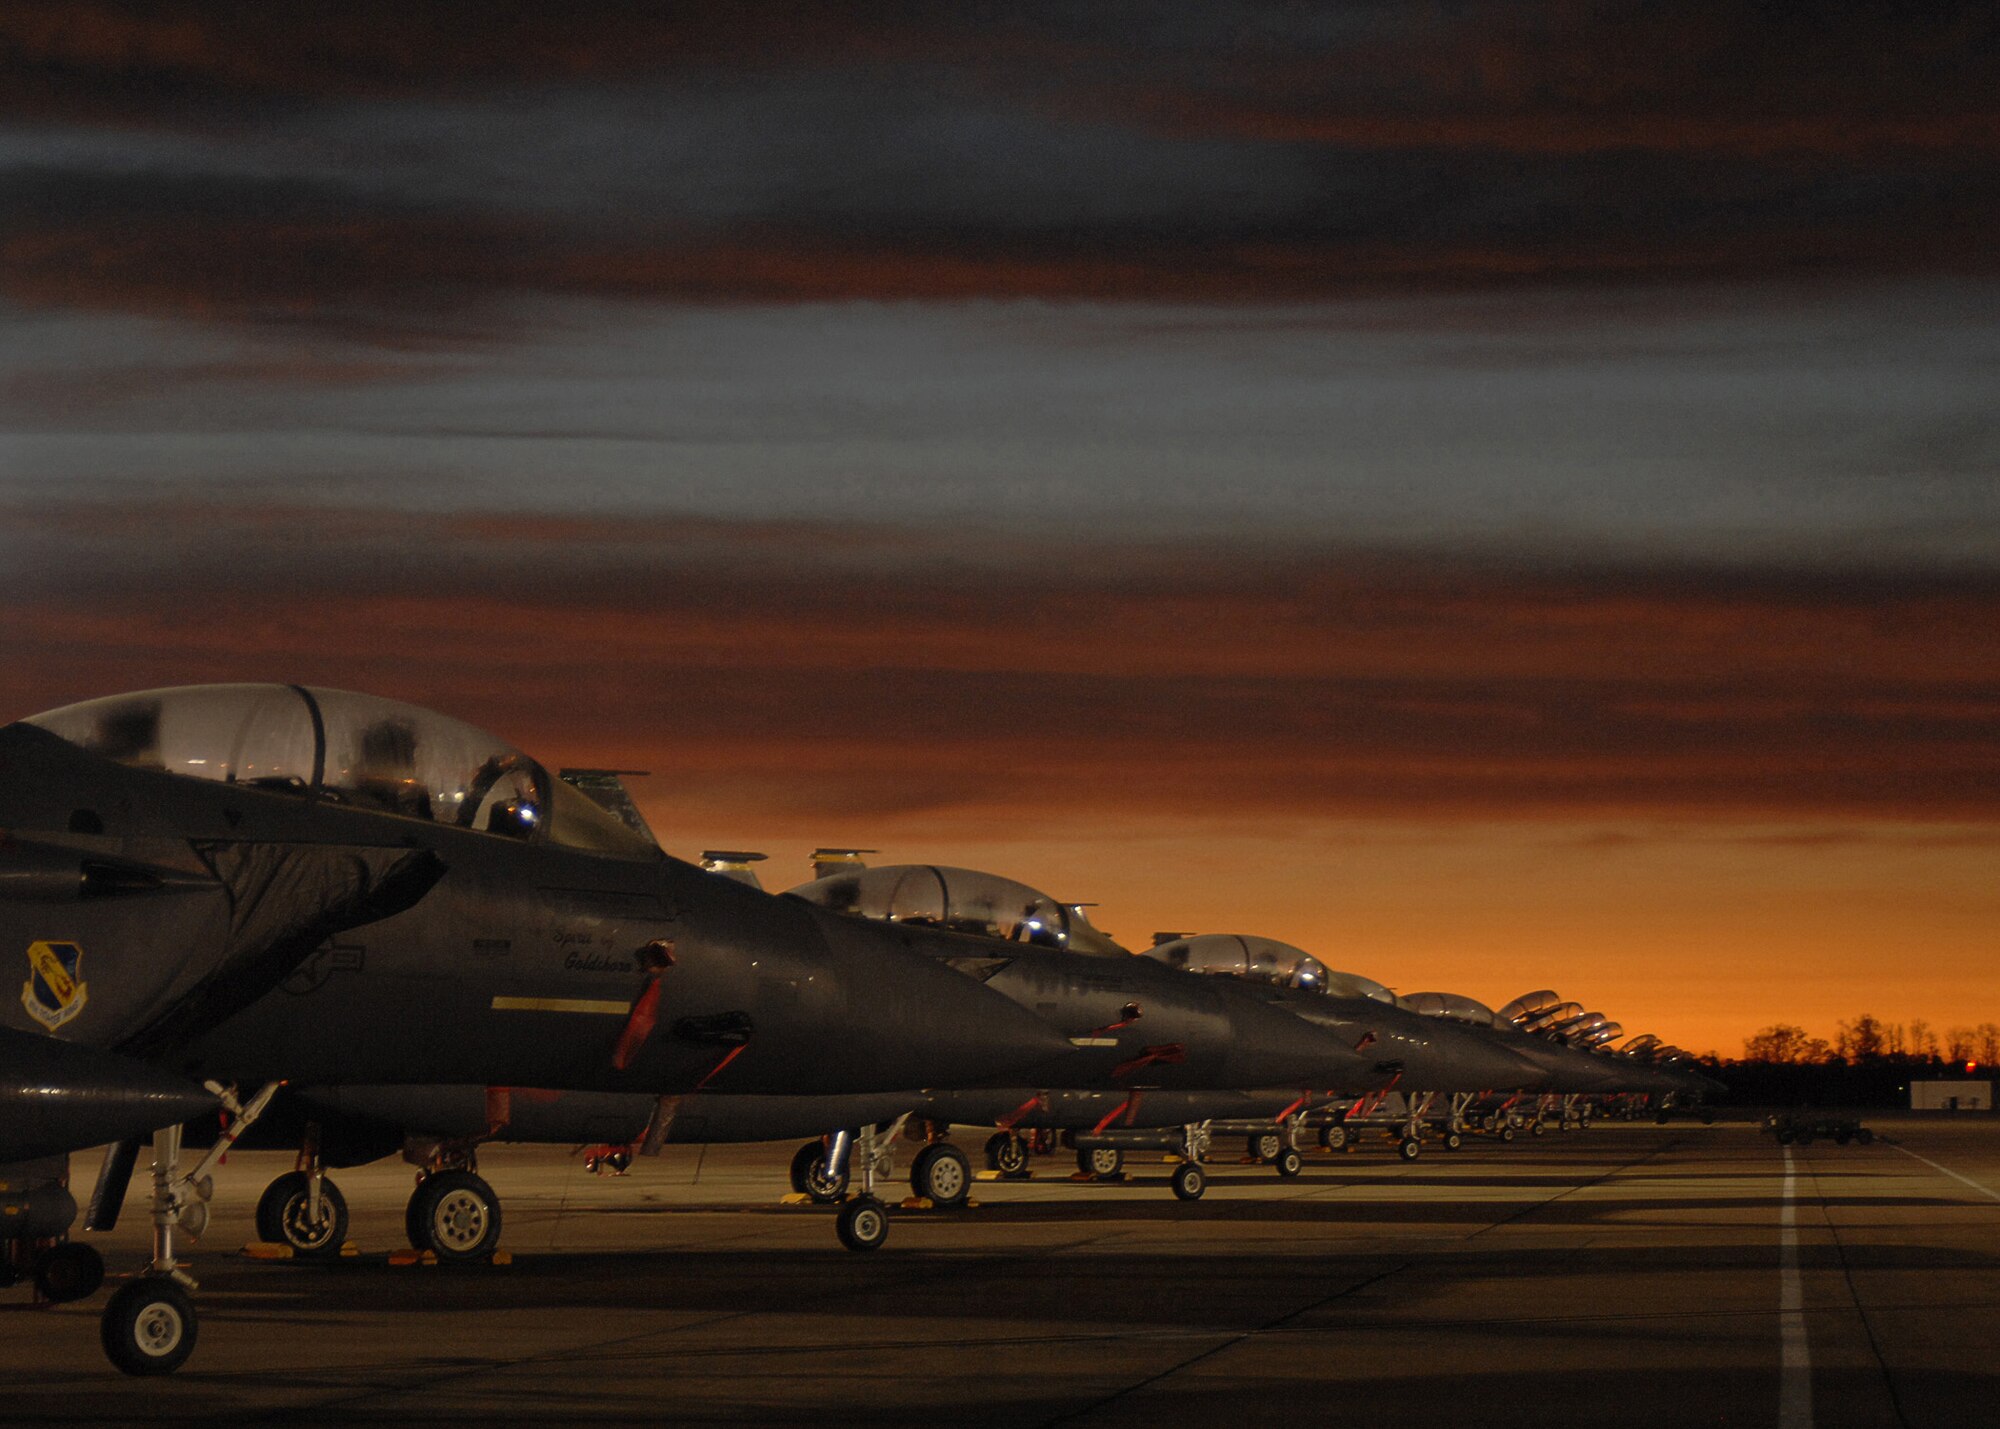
(1867, 1062)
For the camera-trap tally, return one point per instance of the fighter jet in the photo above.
(1136, 1034)
(214, 889)
(1418, 1059)
(1150, 1047)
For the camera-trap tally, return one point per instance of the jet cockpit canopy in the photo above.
(1449, 1005)
(1241, 955)
(960, 900)
(339, 747)
(1262, 960)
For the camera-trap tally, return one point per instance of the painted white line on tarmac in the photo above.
(1982, 1190)
(1795, 1409)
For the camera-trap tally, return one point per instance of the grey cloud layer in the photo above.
(1718, 423)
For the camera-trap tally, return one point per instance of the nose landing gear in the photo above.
(149, 1327)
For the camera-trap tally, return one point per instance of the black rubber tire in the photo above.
(149, 1327)
(815, 1181)
(1101, 1161)
(1288, 1162)
(457, 1216)
(70, 1271)
(281, 1217)
(1265, 1145)
(863, 1224)
(619, 1161)
(1538, 1128)
(802, 1161)
(1865, 1136)
(412, 1231)
(942, 1175)
(1409, 1148)
(1452, 1141)
(1334, 1138)
(1507, 1132)
(267, 1207)
(1189, 1181)
(1007, 1154)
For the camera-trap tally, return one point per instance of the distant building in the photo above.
(1951, 1096)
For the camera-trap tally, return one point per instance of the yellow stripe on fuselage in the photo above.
(561, 1004)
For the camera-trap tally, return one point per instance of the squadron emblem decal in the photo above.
(55, 991)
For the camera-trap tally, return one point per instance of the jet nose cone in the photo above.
(1484, 1065)
(1593, 1073)
(918, 1022)
(1272, 1047)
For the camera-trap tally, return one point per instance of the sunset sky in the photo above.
(1501, 495)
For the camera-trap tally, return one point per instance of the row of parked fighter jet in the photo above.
(357, 927)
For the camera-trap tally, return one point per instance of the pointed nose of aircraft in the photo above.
(1272, 1047)
(1479, 1063)
(913, 1021)
(1590, 1072)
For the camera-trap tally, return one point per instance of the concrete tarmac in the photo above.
(1628, 1275)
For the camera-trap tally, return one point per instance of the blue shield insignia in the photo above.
(55, 990)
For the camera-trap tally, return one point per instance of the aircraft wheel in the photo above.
(149, 1326)
(1100, 1161)
(802, 1163)
(70, 1271)
(1537, 1129)
(1409, 1148)
(1506, 1133)
(1865, 1136)
(282, 1217)
(619, 1161)
(1007, 1154)
(1288, 1162)
(942, 1173)
(815, 1180)
(1189, 1181)
(863, 1224)
(1452, 1141)
(1333, 1137)
(457, 1215)
(1266, 1145)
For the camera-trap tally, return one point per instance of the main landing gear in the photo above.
(453, 1213)
(942, 1175)
(813, 1175)
(1102, 1163)
(1007, 1154)
(304, 1210)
